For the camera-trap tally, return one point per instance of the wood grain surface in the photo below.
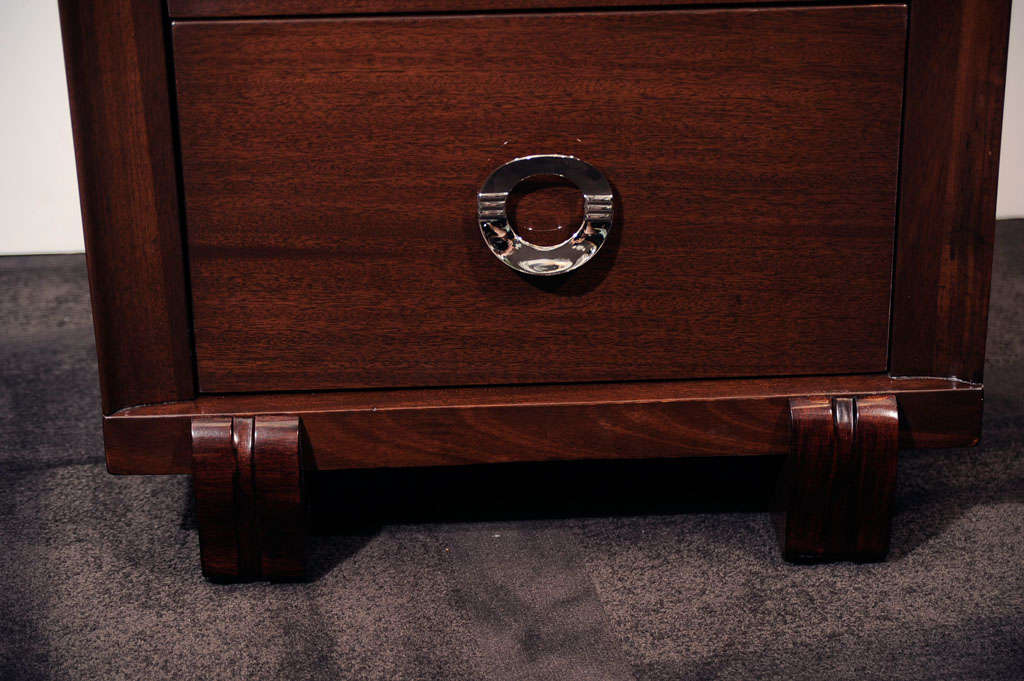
(277, 472)
(373, 429)
(331, 168)
(214, 470)
(250, 505)
(839, 478)
(255, 8)
(246, 503)
(955, 81)
(876, 438)
(116, 59)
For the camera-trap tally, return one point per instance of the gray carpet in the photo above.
(640, 570)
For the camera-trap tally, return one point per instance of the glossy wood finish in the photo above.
(840, 477)
(536, 423)
(334, 244)
(247, 480)
(277, 470)
(331, 167)
(247, 514)
(256, 8)
(115, 55)
(214, 468)
(955, 80)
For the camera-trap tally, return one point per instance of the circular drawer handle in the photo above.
(500, 234)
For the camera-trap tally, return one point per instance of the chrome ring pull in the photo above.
(500, 234)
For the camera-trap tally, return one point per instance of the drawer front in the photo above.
(331, 170)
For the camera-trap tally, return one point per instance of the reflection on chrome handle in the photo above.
(500, 234)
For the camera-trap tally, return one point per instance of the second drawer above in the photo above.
(331, 170)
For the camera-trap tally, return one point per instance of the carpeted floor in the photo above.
(642, 570)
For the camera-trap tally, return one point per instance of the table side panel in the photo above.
(116, 60)
(956, 75)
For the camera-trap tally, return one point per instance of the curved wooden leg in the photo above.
(839, 478)
(247, 476)
(278, 484)
(213, 481)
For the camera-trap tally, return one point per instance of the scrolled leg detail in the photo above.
(250, 500)
(839, 478)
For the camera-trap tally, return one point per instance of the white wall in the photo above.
(39, 210)
(1010, 202)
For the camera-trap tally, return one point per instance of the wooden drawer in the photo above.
(302, 217)
(331, 169)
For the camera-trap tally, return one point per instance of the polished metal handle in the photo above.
(509, 247)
